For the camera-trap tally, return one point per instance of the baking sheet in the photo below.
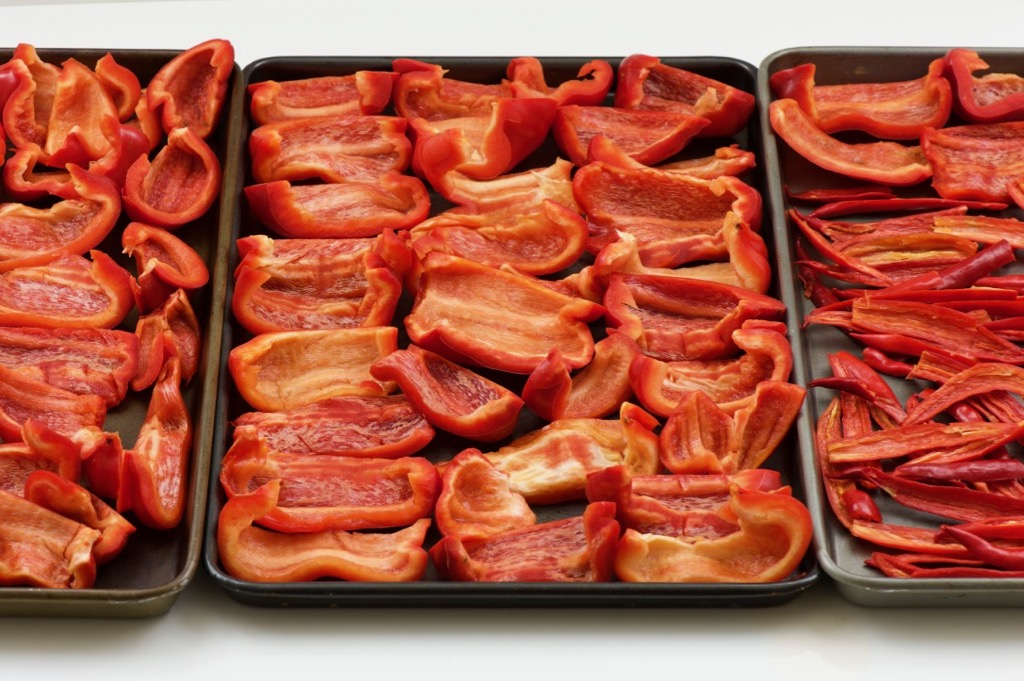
(432, 591)
(147, 577)
(840, 555)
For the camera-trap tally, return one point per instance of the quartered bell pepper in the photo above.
(189, 91)
(164, 263)
(990, 98)
(171, 330)
(590, 87)
(363, 92)
(477, 500)
(977, 162)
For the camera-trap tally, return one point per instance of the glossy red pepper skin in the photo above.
(39, 449)
(254, 554)
(645, 82)
(477, 500)
(453, 398)
(321, 492)
(164, 263)
(171, 330)
(591, 86)
(990, 98)
(363, 92)
(190, 90)
(976, 162)
(121, 84)
(27, 109)
(423, 90)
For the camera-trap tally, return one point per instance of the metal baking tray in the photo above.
(432, 591)
(155, 566)
(840, 555)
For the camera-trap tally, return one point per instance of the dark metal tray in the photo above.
(146, 578)
(432, 591)
(840, 555)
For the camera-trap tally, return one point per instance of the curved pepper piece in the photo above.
(451, 397)
(591, 85)
(977, 162)
(423, 91)
(189, 91)
(171, 330)
(340, 210)
(992, 98)
(121, 84)
(379, 427)
(775, 532)
(496, 319)
(154, 472)
(178, 186)
(730, 160)
(644, 82)
(884, 162)
(320, 492)
(363, 92)
(513, 190)
(577, 549)
(38, 449)
(891, 111)
(27, 109)
(24, 399)
(36, 236)
(76, 131)
(257, 555)
(289, 369)
(163, 263)
(477, 500)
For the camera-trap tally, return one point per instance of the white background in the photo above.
(819, 635)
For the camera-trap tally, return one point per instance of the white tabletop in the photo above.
(817, 635)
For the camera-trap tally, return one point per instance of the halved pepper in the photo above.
(164, 264)
(477, 500)
(363, 92)
(991, 98)
(189, 91)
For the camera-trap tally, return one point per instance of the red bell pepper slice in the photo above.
(597, 390)
(884, 162)
(83, 361)
(775, 533)
(178, 186)
(70, 291)
(154, 472)
(512, 190)
(363, 92)
(894, 204)
(477, 500)
(171, 330)
(27, 110)
(928, 566)
(451, 397)
(592, 84)
(67, 497)
(679, 220)
(38, 449)
(81, 118)
(645, 82)
(163, 264)
(730, 160)
(576, 549)
(925, 443)
(321, 492)
(830, 195)
(974, 380)
(380, 427)
(25, 182)
(977, 162)
(121, 84)
(991, 98)
(292, 284)
(330, 148)
(898, 110)
(189, 90)
(24, 399)
(254, 554)
(674, 318)
(424, 91)
(551, 464)
(289, 369)
(36, 236)
(646, 136)
(44, 548)
(340, 210)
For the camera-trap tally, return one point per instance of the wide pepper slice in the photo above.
(27, 109)
(591, 85)
(378, 427)
(991, 98)
(258, 555)
(363, 92)
(977, 162)
(189, 91)
(171, 330)
(289, 369)
(451, 397)
(23, 399)
(477, 500)
(39, 449)
(321, 492)
(497, 319)
(645, 82)
(576, 549)
(164, 263)
(424, 90)
(76, 131)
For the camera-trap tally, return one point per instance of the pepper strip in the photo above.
(992, 98)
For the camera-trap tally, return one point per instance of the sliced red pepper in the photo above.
(101, 465)
(974, 380)
(977, 162)
(730, 160)
(974, 470)
(928, 566)
(292, 284)
(121, 84)
(645, 82)
(883, 162)
(38, 449)
(289, 369)
(27, 110)
(76, 131)
(380, 427)
(775, 533)
(450, 396)
(991, 98)
(189, 91)
(25, 182)
(423, 90)
(67, 497)
(646, 136)
(830, 195)
(321, 492)
(362, 92)
(925, 443)
(163, 263)
(477, 500)
(44, 548)
(330, 148)
(576, 549)
(592, 84)
(497, 319)
(895, 204)
(340, 210)
(171, 330)
(984, 229)
(512, 190)
(180, 184)
(897, 110)
(24, 399)
(258, 555)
